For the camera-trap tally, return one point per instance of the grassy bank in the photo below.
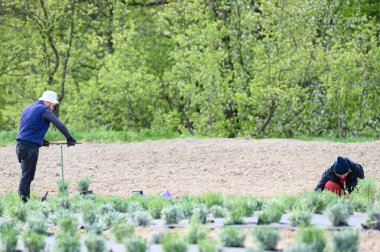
(108, 136)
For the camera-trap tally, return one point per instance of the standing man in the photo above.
(34, 124)
(342, 176)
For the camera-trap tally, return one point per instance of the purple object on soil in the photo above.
(166, 193)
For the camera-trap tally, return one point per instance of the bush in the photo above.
(234, 217)
(8, 240)
(207, 246)
(365, 190)
(136, 244)
(269, 215)
(157, 237)
(8, 223)
(201, 212)
(95, 242)
(122, 230)
(134, 206)
(173, 243)
(246, 205)
(231, 237)
(19, 212)
(111, 218)
(346, 240)
(106, 208)
(316, 202)
(338, 213)
(373, 219)
(67, 242)
(67, 224)
(89, 216)
(63, 187)
(84, 184)
(300, 218)
(196, 232)
(312, 237)
(119, 204)
(173, 214)
(267, 237)
(37, 223)
(34, 242)
(217, 211)
(141, 218)
(155, 206)
(212, 199)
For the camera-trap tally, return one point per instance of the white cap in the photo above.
(49, 96)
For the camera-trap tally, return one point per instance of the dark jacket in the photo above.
(351, 181)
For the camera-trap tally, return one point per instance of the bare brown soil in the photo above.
(195, 166)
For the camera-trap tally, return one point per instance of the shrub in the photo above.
(111, 218)
(141, 218)
(299, 247)
(119, 204)
(366, 190)
(106, 208)
(157, 237)
(89, 216)
(84, 184)
(346, 240)
(267, 237)
(338, 213)
(217, 211)
(196, 232)
(37, 223)
(34, 242)
(63, 187)
(155, 206)
(201, 212)
(207, 246)
(316, 202)
(95, 242)
(67, 242)
(8, 223)
(312, 237)
(246, 205)
(212, 199)
(136, 244)
(19, 212)
(300, 218)
(231, 237)
(8, 240)
(373, 219)
(173, 214)
(67, 224)
(269, 215)
(122, 231)
(134, 206)
(234, 217)
(187, 208)
(173, 243)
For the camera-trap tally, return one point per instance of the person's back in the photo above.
(341, 177)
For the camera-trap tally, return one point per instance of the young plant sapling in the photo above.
(173, 214)
(122, 230)
(345, 240)
(84, 185)
(136, 244)
(232, 237)
(300, 217)
(173, 243)
(267, 237)
(338, 213)
(217, 211)
(34, 242)
(141, 218)
(95, 242)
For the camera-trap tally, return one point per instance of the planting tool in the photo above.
(61, 144)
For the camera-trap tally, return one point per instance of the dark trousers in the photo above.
(27, 154)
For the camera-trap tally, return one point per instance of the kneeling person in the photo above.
(341, 177)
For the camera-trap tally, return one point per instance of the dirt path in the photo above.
(195, 166)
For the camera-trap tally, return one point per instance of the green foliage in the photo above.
(346, 240)
(201, 212)
(232, 237)
(95, 242)
(300, 218)
(37, 223)
(84, 184)
(267, 237)
(315, 201)
(155, 206)
(373, 219)
(195, 232)
(279, 69)
(67, 224)
(8, 239)
(365, 192)
(122, 231)
(207, 246)
(33, 241)
(269, 215)
(141, 218)
(217, 211)
(234, 217)
(338, 213)
(211, 199)
(67, 242)
(18, 211)
(173, 243)
(312, 237)
(63, 187)
(172, 214)
(136, 244)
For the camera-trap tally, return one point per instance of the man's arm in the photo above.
(49, 116)
(322, 182)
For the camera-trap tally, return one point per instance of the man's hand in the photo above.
(45, 143)
(71, 142)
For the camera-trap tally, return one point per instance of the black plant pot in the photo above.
(86, 193)
(138, 192)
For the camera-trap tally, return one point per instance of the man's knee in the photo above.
(334, 187)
